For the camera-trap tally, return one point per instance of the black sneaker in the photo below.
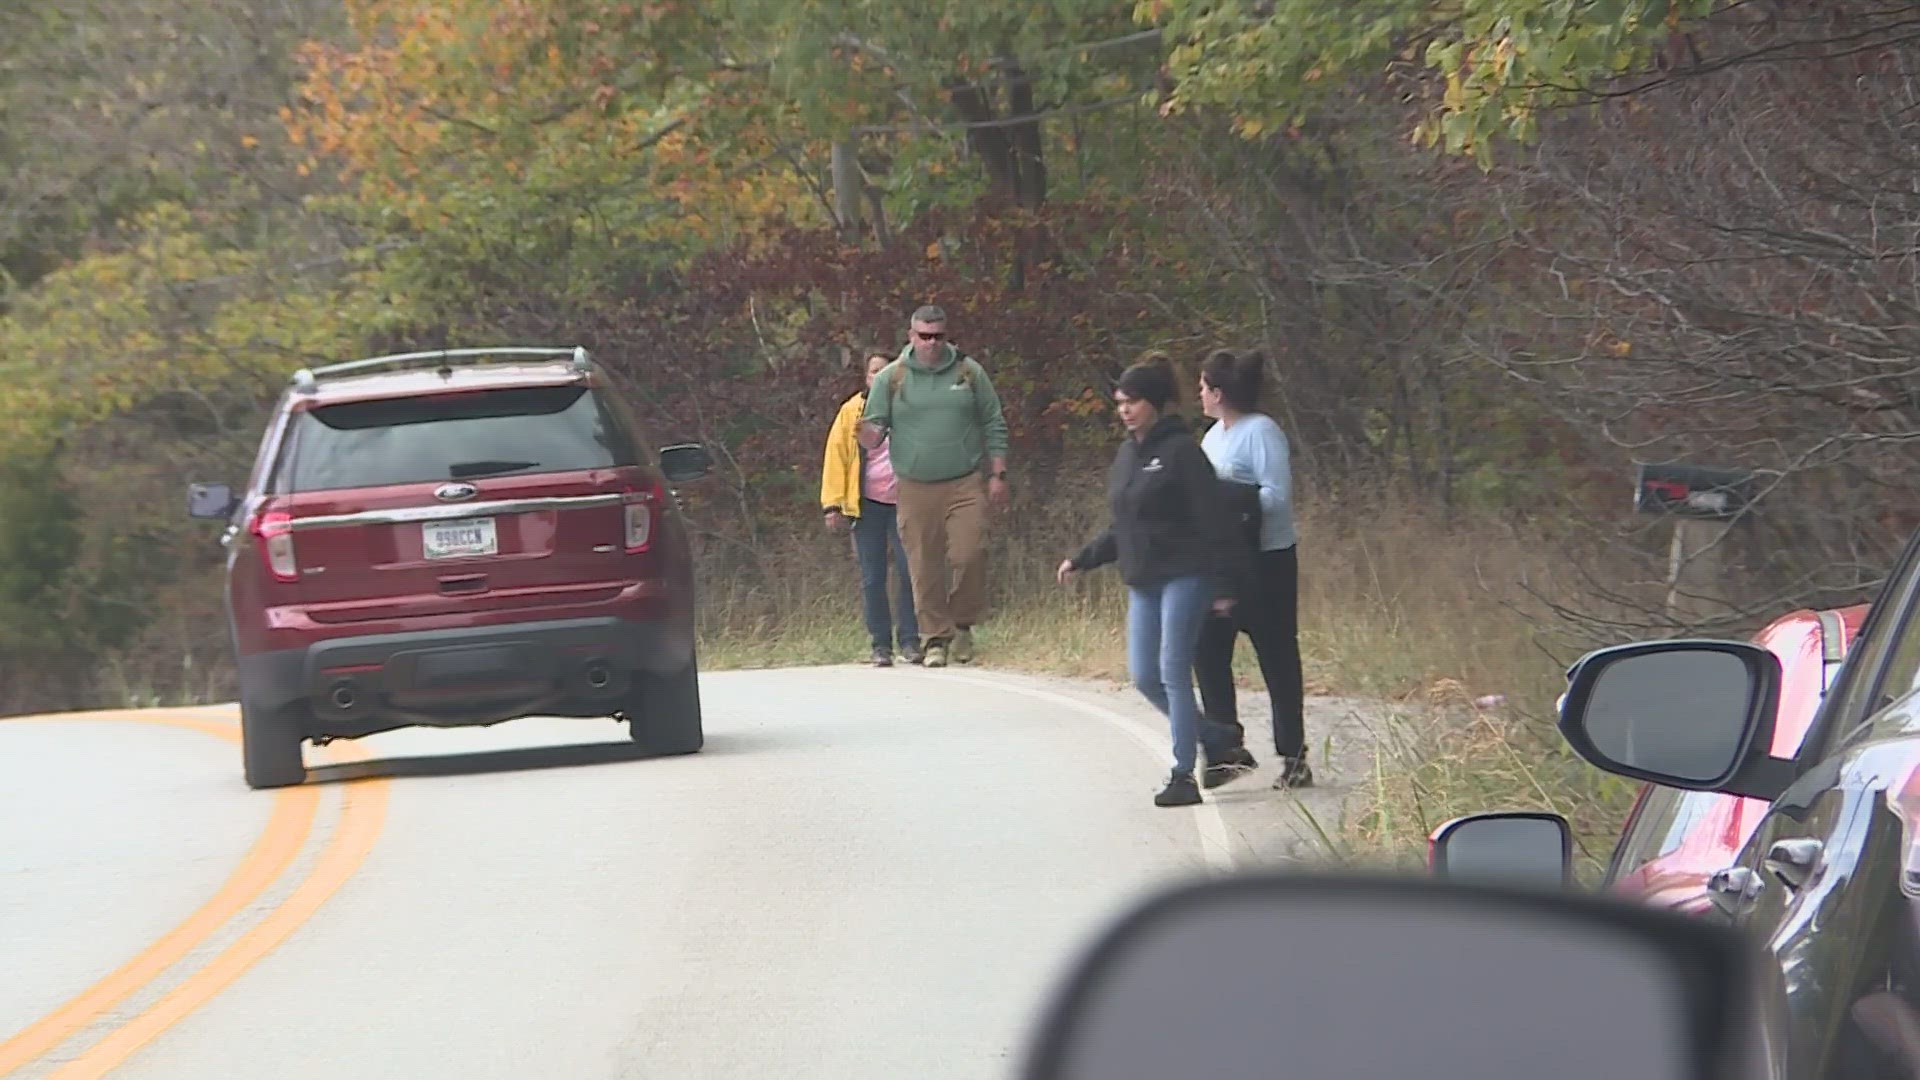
(913, 655)
(1294, 773)
(1180, 791)
(882, 657)
(1230, 766)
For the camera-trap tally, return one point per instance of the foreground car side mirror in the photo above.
(1696, 715)
(1519, 847)
(1285, 975)
(214, 502)
(685, 462)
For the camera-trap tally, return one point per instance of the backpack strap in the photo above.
(969, 367)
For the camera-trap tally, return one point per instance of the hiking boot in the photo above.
(1180, 791)
(882, 657)
(936, 656)
(963, 645)
(1294, 773)
(1230, 766)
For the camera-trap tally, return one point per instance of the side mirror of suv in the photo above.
(213, 502)
(683, 462)
(1696, 715)
(1510, 848)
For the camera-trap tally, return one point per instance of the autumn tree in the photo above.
(922, 81)
(492, 147)
(1485, 70)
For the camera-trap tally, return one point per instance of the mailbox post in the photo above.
(1702, 503)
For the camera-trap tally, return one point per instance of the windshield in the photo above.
(455, 436)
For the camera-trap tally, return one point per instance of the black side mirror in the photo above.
(684, 462)
(211, 501)
(1519, 847)
(1696, 715)
(1304, 976)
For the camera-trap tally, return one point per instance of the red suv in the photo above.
(457, 538)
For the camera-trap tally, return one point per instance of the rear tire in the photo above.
(663, 712)
(270, 748)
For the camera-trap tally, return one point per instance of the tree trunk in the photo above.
(1029, 161)
(881, 234)
(1014, 156)
(990, 144)
(847, 189)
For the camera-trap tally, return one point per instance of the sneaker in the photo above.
(963, 645)
(1231, 766)
(882, 657)
(912, 655)
(936, 656)
(1180, 791)
(1294, 773)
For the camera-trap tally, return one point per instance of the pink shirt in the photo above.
(880, 486)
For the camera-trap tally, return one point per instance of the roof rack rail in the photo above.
(307, 378)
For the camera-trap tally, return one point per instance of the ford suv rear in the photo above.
(457, 538)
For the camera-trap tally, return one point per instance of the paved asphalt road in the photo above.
(866, 873)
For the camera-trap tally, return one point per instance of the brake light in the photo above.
(274, 531)
(638, 514)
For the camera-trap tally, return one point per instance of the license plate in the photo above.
(459, 539)
(451, 668)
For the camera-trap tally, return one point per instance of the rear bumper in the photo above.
(465, 676)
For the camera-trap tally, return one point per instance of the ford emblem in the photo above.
(455, 492)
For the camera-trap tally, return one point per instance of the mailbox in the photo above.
(1691, 491)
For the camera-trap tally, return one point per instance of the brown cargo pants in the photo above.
(943, 527)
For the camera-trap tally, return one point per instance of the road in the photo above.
(864, 873)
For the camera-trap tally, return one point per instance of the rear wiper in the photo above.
(463, 470)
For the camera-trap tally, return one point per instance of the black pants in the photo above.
(1271, 617)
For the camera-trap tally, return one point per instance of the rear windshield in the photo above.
(457, 436)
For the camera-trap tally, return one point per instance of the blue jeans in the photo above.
(1163, 629)
(876, 530)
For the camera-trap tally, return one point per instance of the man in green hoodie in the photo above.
(939, 411)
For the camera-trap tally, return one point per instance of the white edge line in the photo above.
(1215, 842)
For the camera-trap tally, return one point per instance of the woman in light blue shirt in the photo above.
(1247, 447)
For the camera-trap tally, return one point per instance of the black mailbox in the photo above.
(1691, 491)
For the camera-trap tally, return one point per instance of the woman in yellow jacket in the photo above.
(857, 486)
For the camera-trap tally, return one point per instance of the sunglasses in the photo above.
(930, 335)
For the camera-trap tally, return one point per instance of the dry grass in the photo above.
(1448, 621)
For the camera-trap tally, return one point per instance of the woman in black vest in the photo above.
(1170, 536)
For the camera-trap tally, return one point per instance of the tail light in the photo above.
(639, 508)
(274, 531)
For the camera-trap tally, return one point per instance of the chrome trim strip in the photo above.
(402, 515)
(1831, 650)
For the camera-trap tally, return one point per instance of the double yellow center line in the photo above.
(294, 811)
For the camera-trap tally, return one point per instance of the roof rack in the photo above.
(307, 378)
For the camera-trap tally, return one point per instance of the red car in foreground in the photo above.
(1674, 841)
(1827, 882)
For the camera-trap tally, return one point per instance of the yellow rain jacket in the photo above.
(841, 473)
